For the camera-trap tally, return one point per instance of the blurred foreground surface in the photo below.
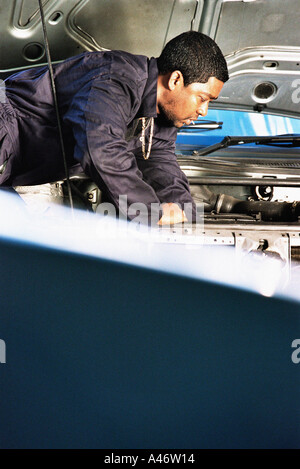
(118, 339)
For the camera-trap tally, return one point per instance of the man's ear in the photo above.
(175, 80)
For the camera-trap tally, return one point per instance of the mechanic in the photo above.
(120, 114)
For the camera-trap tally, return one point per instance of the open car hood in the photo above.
(260, 39)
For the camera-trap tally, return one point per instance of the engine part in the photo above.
(264, 193)
(269, 211)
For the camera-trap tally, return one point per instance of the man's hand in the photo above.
(172, 214)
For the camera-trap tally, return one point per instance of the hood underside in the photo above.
(260, 39)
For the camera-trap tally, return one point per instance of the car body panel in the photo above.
(89, 368)
(115, 342)
(74, 24)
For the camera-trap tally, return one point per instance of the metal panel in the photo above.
(239, 91)
(104, 355)
(114, 341)
(22, 44)
(186, 16)
(137, 26)
(258, 23)
(261, 42)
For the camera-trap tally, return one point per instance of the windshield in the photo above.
(235, 123)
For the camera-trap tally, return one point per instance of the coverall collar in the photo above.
(149, 99)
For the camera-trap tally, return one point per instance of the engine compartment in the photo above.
(257, 183)
(247, 186)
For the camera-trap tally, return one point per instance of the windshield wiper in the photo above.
(203, 125)
(289, 141)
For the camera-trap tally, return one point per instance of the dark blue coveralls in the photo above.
(100, 95)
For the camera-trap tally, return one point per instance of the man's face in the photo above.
(181, 104)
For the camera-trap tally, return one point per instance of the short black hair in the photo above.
(196, 56)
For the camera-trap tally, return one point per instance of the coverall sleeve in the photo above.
(163, 173)
(101, 147)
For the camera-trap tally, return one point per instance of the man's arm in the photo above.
(163, 173)
(101, 148)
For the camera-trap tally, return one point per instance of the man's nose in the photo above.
(202, 110)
